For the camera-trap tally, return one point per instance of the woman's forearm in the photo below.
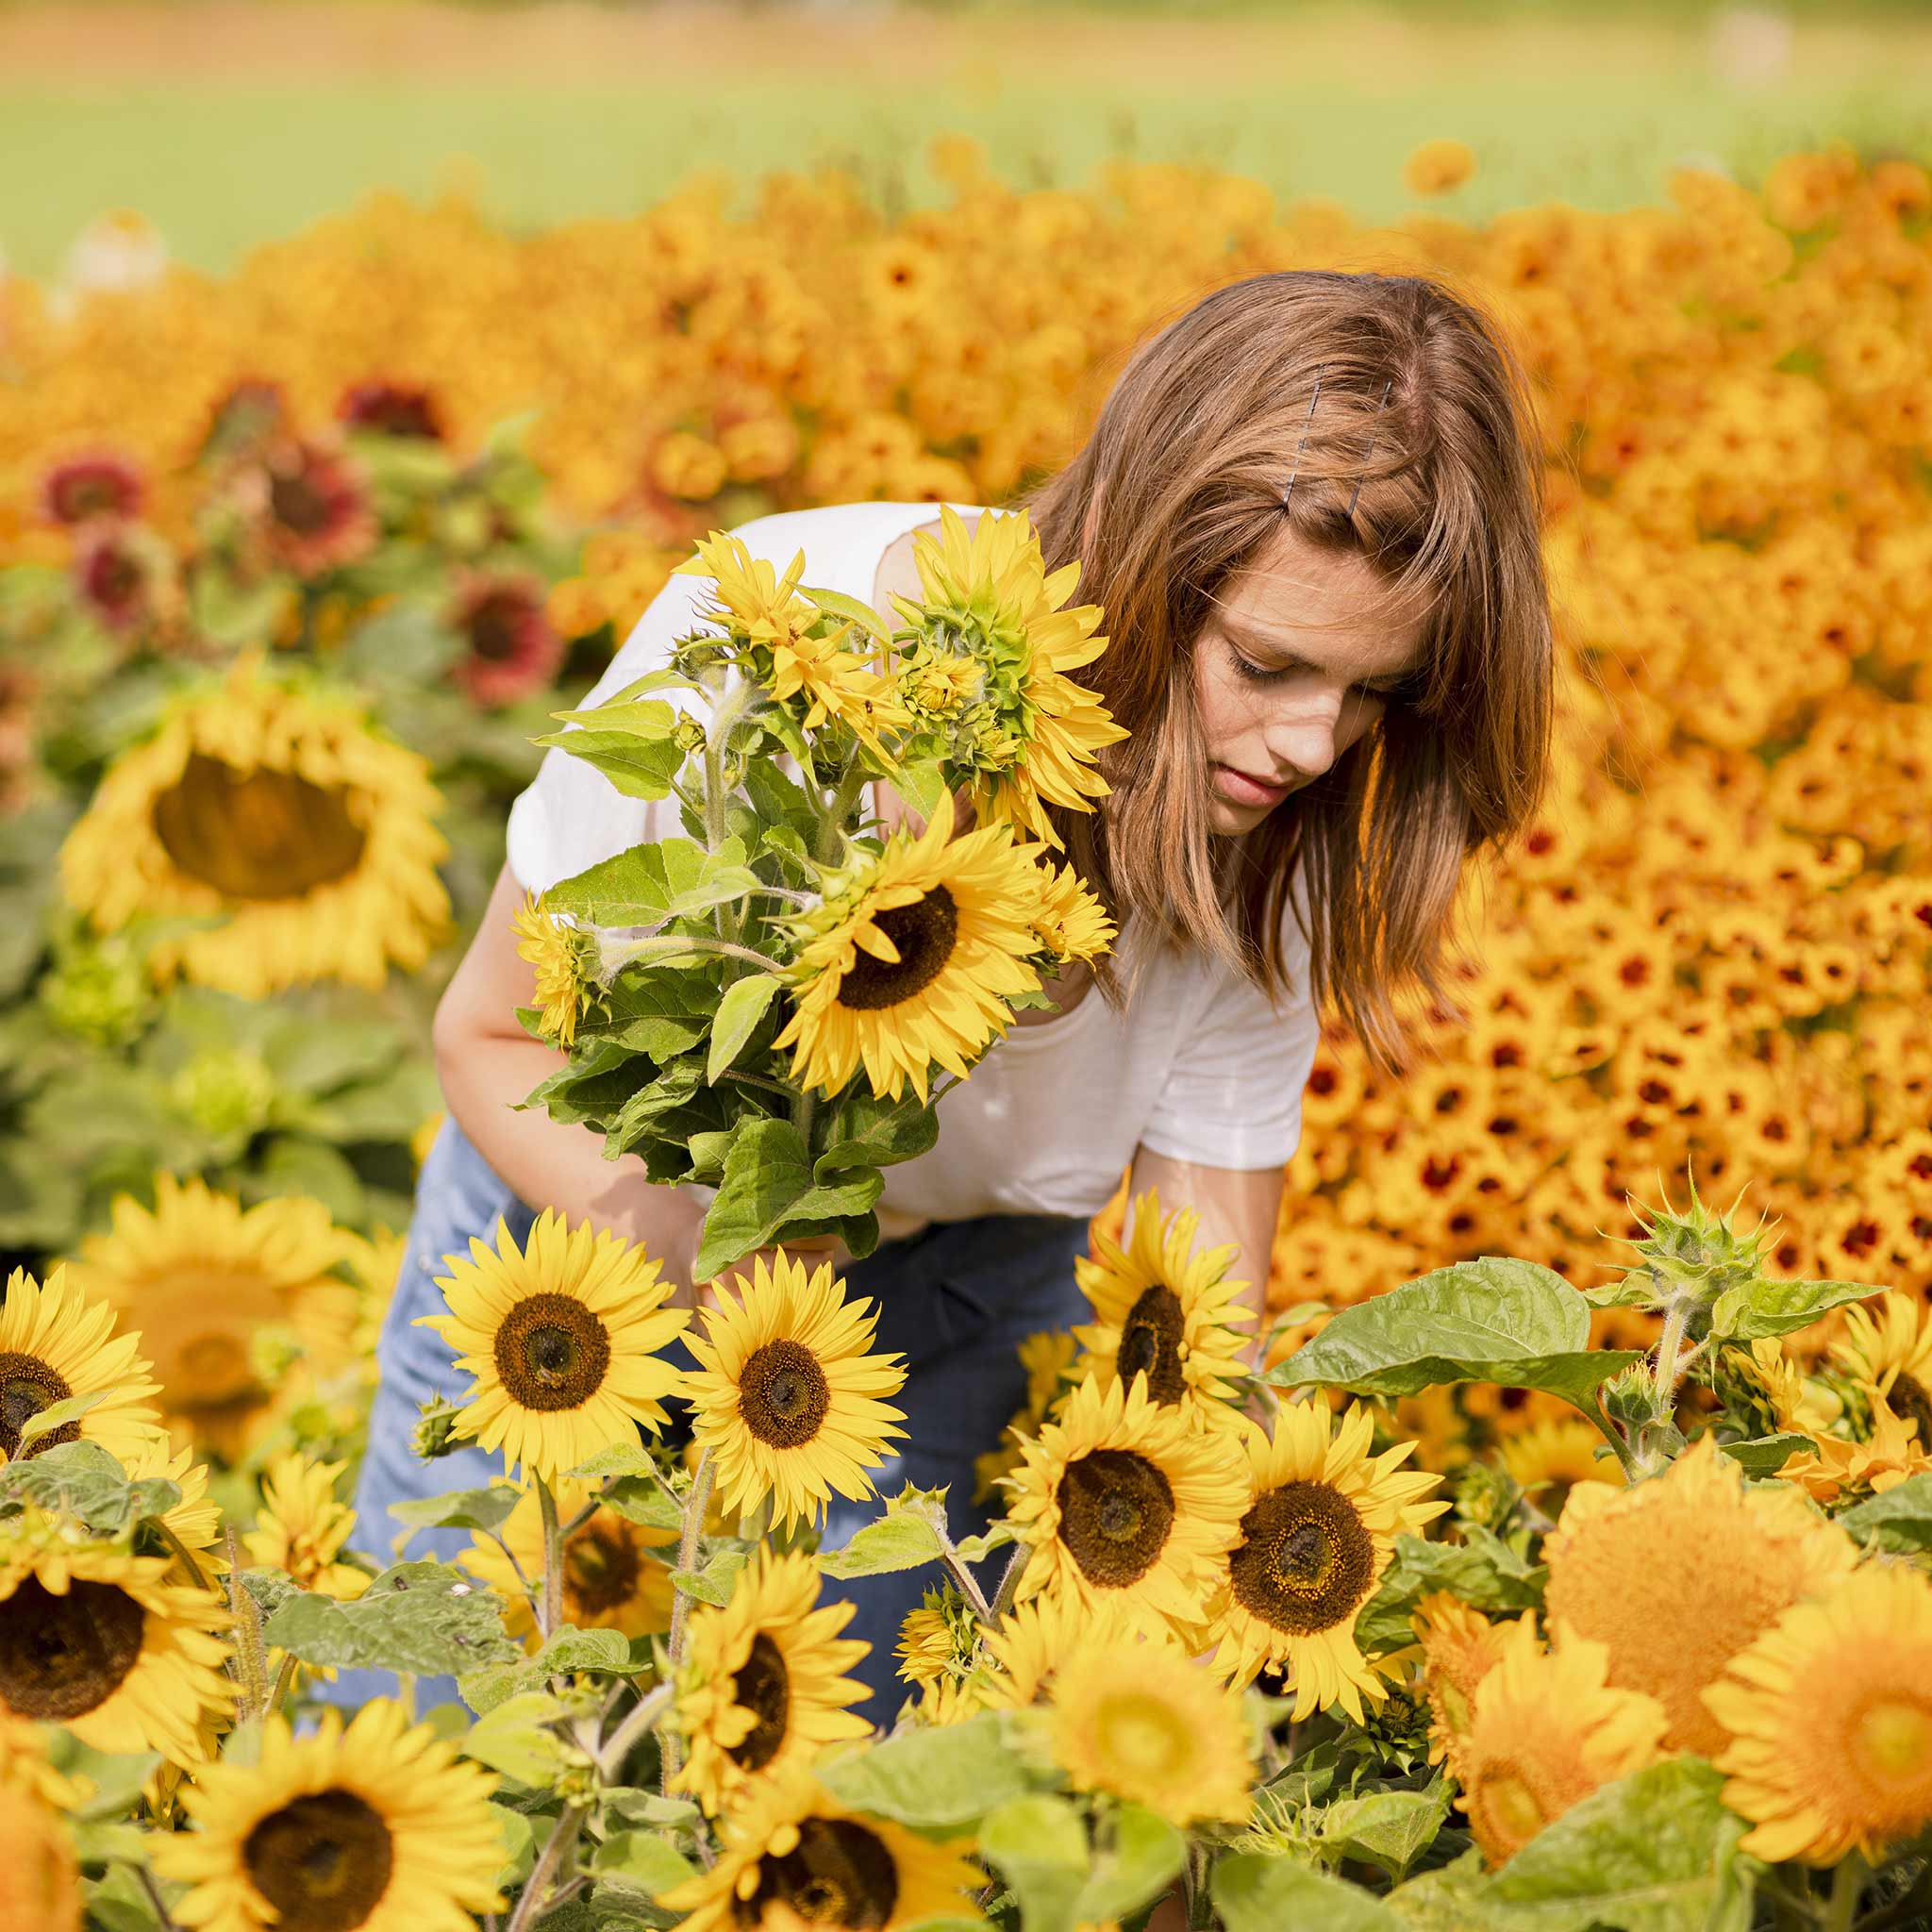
(556, 1164)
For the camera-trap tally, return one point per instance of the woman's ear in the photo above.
(1092, 524)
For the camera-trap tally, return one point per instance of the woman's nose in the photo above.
(1307, 744)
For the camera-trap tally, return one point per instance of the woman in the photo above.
(1310, 509)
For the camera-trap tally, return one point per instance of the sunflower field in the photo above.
(1564, 1561)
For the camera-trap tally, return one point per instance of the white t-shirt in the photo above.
(1199, 1068)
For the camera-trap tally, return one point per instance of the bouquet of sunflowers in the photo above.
(773, 1004)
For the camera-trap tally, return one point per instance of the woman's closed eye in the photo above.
(1248, 670)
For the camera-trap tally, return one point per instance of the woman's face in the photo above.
(1289, 672)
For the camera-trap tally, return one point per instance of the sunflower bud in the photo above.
(1485, 1495)
(99, 995)
(1397, 1729)
(687, 733)
(226, 1093)
(435, 1433)
(1688, 1259)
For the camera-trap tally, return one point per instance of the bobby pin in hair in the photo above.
(1320, 372)
(1371, 450)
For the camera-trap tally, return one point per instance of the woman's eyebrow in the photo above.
(1244, 632)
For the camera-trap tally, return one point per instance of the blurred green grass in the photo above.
(221, 167)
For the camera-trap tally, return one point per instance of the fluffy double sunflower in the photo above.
(1031, 734)
(1827, 1719)
(1461, 1648)
(564, 957)
(793, 1856)
(102, 1642)
(275, 808)
(910, 958)
(55, 1344)
(762, 1688)
(1891, 1356)
(787, 1394)
(375, 1828)
(301, 1528)
(561, 1337)
(1697, 1552)
(202, 1278)
(1320, 1522)
(1120, 1500)
(939, 1654)
(1546, 1729)
(611, 1581)
(1163, 1311)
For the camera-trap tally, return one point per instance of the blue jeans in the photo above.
(955, 1300)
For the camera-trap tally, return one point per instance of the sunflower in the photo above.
(1697, 1552)
(1165, 1313)
(1139, 1720)
(762, 1687)
(1834, 1471)
(277, 810)
(375, 1828)
(1460, 1649)
(1549, 1459)
(100, 1642)
(57, 1344)
(1891, 1356)
(561, 1337)
(1069, 921)
(24, 1767)
(1546, 1729)
(793, 1856)
(1122, 1501)
(565, 957)
(610, 1579)
(1828, 1717)
(988, 595)
(301, 1527)
(1320, 1520)
(910, 958)
(1026, 1647)
(195, 1521)
(40, 1880)
(939, 1653)
(202, 1276)
(787, 1396)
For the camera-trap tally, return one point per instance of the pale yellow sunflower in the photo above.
(911, 959)
(301, 1528)
(762, 1688)
(56, 1343)
(1547, 1728)
(377, 1827)
(102, 1642)
(1459, 1647)
(991, 589)
(1122, 1501)
(561, 1338)
(1697, 1552)
(565, 957)
(793, 1857)
(1319, 1527)
(203, 1277)
(275, 807)
(1827, 1719)
(1891, 1353)
(787, 1397)
(1139, 1718)
(1163, 1311)
(1026, 1649)
(611, 1581)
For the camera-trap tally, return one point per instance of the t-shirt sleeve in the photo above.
(1232, 1094)
(570, 815)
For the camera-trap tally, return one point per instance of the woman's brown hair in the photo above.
(1180, 486)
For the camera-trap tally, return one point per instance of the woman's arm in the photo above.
(1236, 1204)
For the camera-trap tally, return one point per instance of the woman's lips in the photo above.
(1243, 789)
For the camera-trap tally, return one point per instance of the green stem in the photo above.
(284, 1676)
(804, 1106)
(532, 1905)
(1009, 1583)
(551, 1611)
(831, 837)
(690, 1533)
(636, 1722)
(1847, 1883)
(696, 942)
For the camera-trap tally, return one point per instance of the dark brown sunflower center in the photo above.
(839, 1873)
(496, 628)
(298, 505)
(323, 1862)
(1910, 1400)
(61, 1656)
(27, 1385)
(782, 1394)
(600, 1569)
(1306, 1561)
(256, 835)
(552, 1353)
(924, 934)
(763, 1685)
(1151, 1341)
(1116, 1512)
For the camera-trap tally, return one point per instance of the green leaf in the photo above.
(921, 785)
(644, 1499)
(638, 767)
(56, 1415)
(715, 1582)
(648, 718)
(426, 1618)
(81, 1479)
(909, 1531)
(1254, 1892)
(768, 1186)
(641, 1861)
(608, 1650)
(839, 604)
(517, 1739)
(1386, 1828)
(1491, 1320)
(646, 885)
(1483, 1571)
(651, 1807)
(1763, 1455)
(1651, 1852)
(874, 1132)
(667, 680)
(738, 1013)
(1039, 1844)
(936, 1778)
(1899, 1517)
(1138, 1855)
(485, 1509)
(1777, 1308)
(1449, 1899)
(520, 1846)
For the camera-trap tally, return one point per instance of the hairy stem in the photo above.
(689, 1532)
(532, 1905)
(550, 1613)
(639, 1719)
